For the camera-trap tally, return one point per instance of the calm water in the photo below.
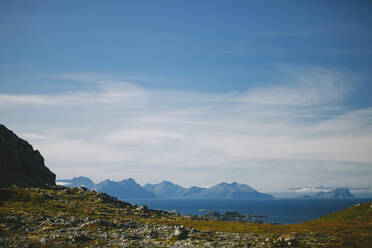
(283, 211)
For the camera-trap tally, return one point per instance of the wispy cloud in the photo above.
(119, 129)
(312, 86)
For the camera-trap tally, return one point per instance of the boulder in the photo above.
(20, 164)
(180, 233)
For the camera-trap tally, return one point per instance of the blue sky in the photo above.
(274, 94)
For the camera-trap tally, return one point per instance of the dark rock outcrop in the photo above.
(20, 164)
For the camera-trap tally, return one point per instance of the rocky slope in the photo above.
(20, 164)
(77, 217)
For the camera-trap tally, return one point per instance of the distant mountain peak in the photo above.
(106, 181)
(81, 177)
(128, 180)
(167, 182)
(234, 185)
(337, 193)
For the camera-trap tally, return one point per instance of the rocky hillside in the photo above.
(20, 164)
(77, 217)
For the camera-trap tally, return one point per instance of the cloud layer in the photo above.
(293, 133)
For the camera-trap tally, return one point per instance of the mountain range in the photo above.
(223, 190)
(130, 189)
(124, 189)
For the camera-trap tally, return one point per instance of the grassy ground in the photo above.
(351, 227)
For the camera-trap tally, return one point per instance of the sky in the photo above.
(273, 94)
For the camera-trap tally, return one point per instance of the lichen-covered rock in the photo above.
(20, 164)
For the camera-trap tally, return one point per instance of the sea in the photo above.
(279, 211)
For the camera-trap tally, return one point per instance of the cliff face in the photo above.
(20, 164)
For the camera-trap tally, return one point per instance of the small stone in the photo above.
(180, 233)
(142, 208)
(43, 240)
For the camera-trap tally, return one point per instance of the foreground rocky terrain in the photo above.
(57, 216)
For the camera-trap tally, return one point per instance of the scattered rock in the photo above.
(142, 208)
(180, 233)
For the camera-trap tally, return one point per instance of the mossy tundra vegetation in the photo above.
(57, 216)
